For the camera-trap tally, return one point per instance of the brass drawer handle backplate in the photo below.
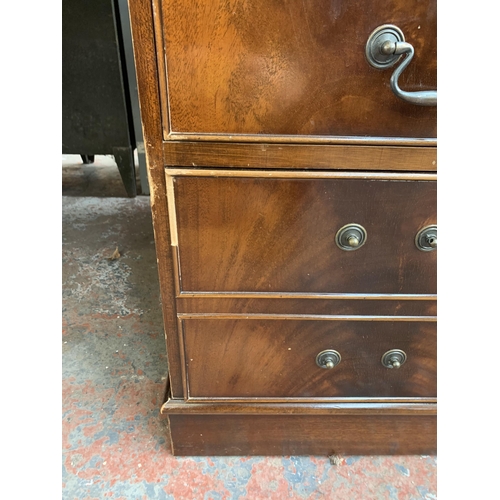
(384, 48)
(394, 358)
(351, 237)
(328, 359)
(426, 239)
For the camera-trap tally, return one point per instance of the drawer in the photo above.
(276, 357)
(274, 234)
(272, 69)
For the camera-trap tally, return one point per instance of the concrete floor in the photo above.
(114, 370)
(100, 178)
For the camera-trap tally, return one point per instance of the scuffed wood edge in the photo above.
(146, 62)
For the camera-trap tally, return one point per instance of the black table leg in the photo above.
(87, 159)
(124, 158)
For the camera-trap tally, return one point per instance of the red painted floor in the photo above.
(114, 370)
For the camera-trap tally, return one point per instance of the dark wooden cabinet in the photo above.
(96, 96)
(294, 207)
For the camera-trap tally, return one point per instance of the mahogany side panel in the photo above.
(141, 17)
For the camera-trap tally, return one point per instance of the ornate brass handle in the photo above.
(384, 48)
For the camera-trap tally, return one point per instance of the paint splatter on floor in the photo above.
(114, 368)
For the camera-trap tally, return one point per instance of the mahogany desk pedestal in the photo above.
(292, 168)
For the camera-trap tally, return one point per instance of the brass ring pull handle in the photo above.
(351, 237)
(426, 239)
(328, 359)
(394, 358)
(384, 48)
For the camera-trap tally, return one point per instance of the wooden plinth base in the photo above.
(300, 429)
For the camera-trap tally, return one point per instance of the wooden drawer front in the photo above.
(278, 235)
(276, 358)
(292, 68)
